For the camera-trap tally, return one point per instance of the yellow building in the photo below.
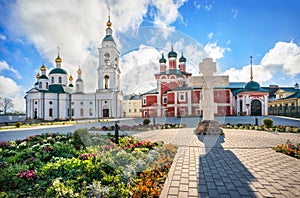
(286, 102)
(132, 106)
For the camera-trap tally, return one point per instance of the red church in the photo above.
(174, 97)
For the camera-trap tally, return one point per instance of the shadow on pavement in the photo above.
(221, 173)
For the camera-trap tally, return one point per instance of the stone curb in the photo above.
(167, 184)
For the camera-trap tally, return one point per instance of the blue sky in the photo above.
(228, 31)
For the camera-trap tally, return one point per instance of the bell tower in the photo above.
(108, 68)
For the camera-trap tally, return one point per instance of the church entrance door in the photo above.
(35, 113)
(105, 113)
(256, 108)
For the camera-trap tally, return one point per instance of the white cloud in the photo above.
(207, 5)
(243, 75)
(210, 35)
(8, 87)
(138, 68)
(2, 37)
(78, 27)
(214, 51)
(285, 56)
(5, 66)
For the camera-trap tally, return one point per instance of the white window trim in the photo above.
(182, 94)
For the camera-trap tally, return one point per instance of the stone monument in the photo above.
(208, 80)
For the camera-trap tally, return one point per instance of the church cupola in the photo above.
(182, 63)
(162, 63)
(43, 80)
(172, 56)
(58, 60)
(71, 81)
(79, 82)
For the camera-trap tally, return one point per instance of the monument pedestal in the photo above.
(208, 127)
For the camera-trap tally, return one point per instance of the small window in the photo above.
(47, 85)
(145, 113)
(91, 112)
(50, 112)
(52, 79)
(129, 110)
(91, 103)
(72, 112)
(40, 85)
(81, 103)
(134, 110)
(50, 102)
(59, 80)
(144, 101)
(165, 100)
(81, 112)
(105, 102)
(140, 110)
(182, 97)
(72, 103)
(35, 102)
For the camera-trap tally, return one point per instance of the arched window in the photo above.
(52, 79)
(106, 58)
(47, 86)
(50, 112)
(81, 112)
(106, 82)
(59, 80)
(40, 85)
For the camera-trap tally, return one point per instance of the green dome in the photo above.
(79, 80)
(162, 60)
(172, 54)
(58, 71)
(108, 38)
(43, 77)
(252, 86)
(182, 59)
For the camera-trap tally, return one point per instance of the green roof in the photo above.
(172, 54)
(252, 86)
(58, 71)
(79, 80)
(56, 89)
(43, 77)
(108, 38)
(162, 60)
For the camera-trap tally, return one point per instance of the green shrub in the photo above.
(18, 124)
(81, 137)
(267, 122)
(146, 121)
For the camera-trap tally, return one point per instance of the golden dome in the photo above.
(108, 24)
(38, 75)
(43, 68)
(79, 71)
(58, 59)
(70, 78)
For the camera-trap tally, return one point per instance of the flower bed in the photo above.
(289, 148)
(279, 128)
(83, 164)
(140, 127)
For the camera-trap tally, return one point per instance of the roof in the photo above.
(108, 38)
(173, 72)
(295, 95)
(289, 89)
(132, 97)
(58, 71)
(56, 89)
(43, 77)
(79, 80)
(153, 91)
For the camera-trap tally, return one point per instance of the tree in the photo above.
(6, 104)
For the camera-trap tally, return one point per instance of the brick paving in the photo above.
(242, 164)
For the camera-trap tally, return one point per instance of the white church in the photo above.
(55, 97)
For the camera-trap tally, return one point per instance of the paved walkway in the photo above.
(240, 165)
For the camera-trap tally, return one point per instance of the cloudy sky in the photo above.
(227, 31)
